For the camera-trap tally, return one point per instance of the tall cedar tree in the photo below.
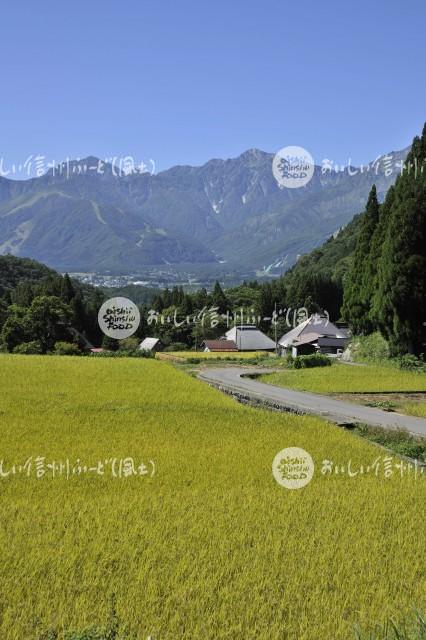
(358, 291)
(400, 300)
(219, 299)
(67, 289)
(381, 311)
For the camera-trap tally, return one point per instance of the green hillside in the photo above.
(14, 270)
(317, 279)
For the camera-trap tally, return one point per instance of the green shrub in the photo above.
(129, 344)
(386, 405)
(410, 362)
(412, 449)
(312, 360)
(66, 349)
(399, 441)
(176, 346)
(372, 348)
(29, 348)
(289, 361)
(111, 344)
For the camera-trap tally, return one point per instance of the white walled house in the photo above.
(151, 344)
(316, 335)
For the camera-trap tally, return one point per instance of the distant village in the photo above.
(316, 335)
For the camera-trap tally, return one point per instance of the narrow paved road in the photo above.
(234, 379)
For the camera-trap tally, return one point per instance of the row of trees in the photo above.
(50, 310)
(35, 315)
(385, 288)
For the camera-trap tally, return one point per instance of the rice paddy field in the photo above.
(415, 409)
(201, 541)
(216, 355)
(341, 378)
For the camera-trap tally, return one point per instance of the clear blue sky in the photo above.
(184, 81)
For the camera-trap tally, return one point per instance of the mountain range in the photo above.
(226, 215)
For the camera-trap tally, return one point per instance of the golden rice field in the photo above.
(217, 355)
(415, 409)
(341, 378)
(208, 547)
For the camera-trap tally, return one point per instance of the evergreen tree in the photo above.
(167, 298)
(201, 299)
(3, 311)
(358, 290)
(185, 306)
(380, 310)
(266, 303)
(400, 301)
(219, 299)
(23, 294)
(67, 289)
(158, 303)
(92, 329)
(144, 330)
(175, 296)
(78, 312)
